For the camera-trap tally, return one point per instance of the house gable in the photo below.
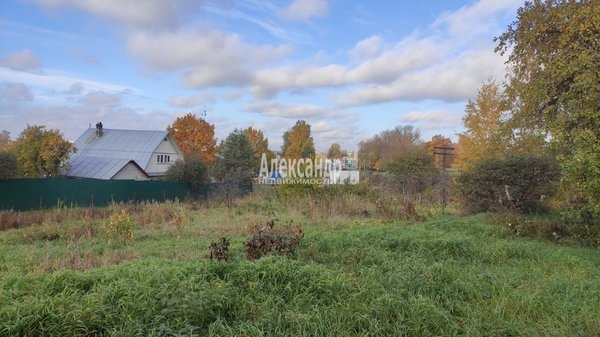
(163, 157)
(131, 171)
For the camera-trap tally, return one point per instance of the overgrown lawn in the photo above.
(353, 276)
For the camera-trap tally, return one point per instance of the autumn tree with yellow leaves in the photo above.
(298, 142)
(42, 152)
(553, 51)
(485, 135)
(259, 143)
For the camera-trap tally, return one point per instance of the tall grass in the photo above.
(355, 274)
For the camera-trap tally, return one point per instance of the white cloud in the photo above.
(136, 13)
(200, 98)
(287, 110)
(406, 56)
(101, 99)
(58, 81)
(23, 59)
(476, 19)
(453, 80)
(74, 89)
(269, 82)
(257, 13)
(326, 133)
(75, 118)
(15, 92)
(448, 63)
(367, 48)
(233, 95)
(301, 10)
(432, 119)
(210, 58)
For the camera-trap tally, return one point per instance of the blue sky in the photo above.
(350, 68)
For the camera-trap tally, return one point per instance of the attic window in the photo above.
(163, 158)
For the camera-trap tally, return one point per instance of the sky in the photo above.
(350, 68)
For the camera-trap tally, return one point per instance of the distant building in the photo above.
(351, 177)
(349, 164)
(122, 154)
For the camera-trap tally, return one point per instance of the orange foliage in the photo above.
(195, 136)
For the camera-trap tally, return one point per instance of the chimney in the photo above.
(99, 129)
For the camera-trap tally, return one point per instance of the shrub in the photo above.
(119, 227)
(220, 250)
(191, 171)
(8, 165)
(551, 227)
(268, 240)
(415, 173)
(518, 183)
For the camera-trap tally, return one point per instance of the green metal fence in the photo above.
(26, 194)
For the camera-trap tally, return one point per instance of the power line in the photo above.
(444, 151)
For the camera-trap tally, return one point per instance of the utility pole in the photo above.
(444, 151)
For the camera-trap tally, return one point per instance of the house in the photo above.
(122, 154)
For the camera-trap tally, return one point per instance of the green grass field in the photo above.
(352, 276)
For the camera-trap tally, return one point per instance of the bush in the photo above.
(520, 184)
(553, 228)
(268, 240)
(8, 165)
(413, 163)
(220, 250)
(119, 227)
(191, 172)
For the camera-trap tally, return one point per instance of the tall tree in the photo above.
(336, 152)
(55, 152)
(42, 152)
(389, 147)
(298, 142)
(259, 143)
(5, 141)
(235, 159)
(485, 134)
(554, 56)
(194, 135)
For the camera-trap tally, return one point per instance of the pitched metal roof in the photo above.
(135, 145)
(97, 167)
(102, 156)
